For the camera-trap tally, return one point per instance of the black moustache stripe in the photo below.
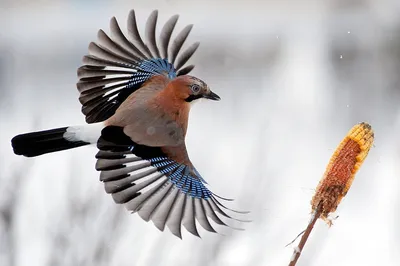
(193, 97)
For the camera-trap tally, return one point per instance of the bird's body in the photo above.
(136, 97)
(154, 115)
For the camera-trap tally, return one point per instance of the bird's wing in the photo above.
(117, 65)
(148, 181)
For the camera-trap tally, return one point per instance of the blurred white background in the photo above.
(294, 77)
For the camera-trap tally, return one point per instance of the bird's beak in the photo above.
(212, 96)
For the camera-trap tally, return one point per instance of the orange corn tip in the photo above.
(341, 170)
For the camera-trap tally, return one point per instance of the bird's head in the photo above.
(189, 89)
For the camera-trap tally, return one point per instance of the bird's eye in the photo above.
(195, 88)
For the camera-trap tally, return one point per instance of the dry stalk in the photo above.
(338, 177)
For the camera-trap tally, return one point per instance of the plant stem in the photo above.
(303, 240)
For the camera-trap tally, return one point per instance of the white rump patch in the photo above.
(88, 133)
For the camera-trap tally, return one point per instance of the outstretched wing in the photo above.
(117, 65)
(159, 188)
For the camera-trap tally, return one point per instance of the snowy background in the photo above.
(294, 77)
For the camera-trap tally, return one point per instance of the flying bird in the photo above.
(136, 96)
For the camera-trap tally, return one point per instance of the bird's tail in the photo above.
(58, 139)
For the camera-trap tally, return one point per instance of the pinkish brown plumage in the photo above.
(136, 98)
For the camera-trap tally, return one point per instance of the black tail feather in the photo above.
(42, 142)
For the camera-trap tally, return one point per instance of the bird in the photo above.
(136, 94)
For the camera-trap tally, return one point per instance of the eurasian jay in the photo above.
(136, 97)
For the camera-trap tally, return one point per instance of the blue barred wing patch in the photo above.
(179, 174)
(149, 68)
(159, 66)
